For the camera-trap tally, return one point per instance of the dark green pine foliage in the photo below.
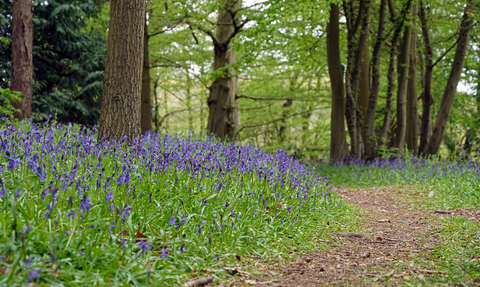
(68, 61)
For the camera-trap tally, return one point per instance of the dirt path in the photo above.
(381, 253)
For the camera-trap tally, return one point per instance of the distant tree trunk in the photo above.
(338, 142)
(121, 102)
(370, 141)
(364, 88)
(427, 99)
(451, 88)
(146, 113)
(222, 102)
(398, 23)
(283, 124)
(356, 43)
(402, 90)
(412, 95)
(22, 57)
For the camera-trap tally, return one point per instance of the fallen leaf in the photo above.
(139, 236)
(238, 257)
(379, 238)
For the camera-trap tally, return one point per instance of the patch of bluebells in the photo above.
(190, 190)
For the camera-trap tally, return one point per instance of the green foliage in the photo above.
(68, 61)
(6, 99)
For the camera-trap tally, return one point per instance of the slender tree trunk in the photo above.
(121, 102)
(283, 125)
(427, 99)
(451, 88)
(335, 70)
(412, 95)
(146, 117)
(402, 90)
(370, 142)
(398, 22)
(358, 24)
(222, 102)
(364, 88)
(22, 56)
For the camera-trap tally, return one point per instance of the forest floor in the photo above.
(393, 241)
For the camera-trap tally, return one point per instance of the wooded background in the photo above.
(319, 79)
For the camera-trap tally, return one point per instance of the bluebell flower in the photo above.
(3, 191)
(164, 254)
(108, 197)
(33, 274)
(81, 253)
(182, 248)
(172, 220)
(144, 246)
(54, 258)
(28, 262)
(18, 192)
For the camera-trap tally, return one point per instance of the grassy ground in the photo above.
(157, 212)
(430, 184)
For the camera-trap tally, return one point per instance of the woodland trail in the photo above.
(382, 252)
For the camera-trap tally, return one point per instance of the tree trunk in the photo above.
(402, 90)
(364, 88)
(221, 101)
(22, 56)
(355, 51)
(335, 70)
(121, 102)
(146, 113)
(412, 106)
(451, 88)
(398, 22)
(427, 99)
(370, 142)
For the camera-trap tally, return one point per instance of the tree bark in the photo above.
(146, 110)
(335, 70)
(402, 90)
(364, 88)
(451, 88)
(412, 95)
(398, 23)
(427, 99)
(370, 141)
(221, 101)
(22, 56)
(121, 102)
(355, 25)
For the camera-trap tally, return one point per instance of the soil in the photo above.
(382, 252)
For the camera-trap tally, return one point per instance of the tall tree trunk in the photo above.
(146, 113)
(412, 95)
(370, 142)
(355, 25)
(121, 102)
(398, 22)
(338, 142)
(364, 88)
(427, 99)
(451, 88)
(402, 90)
(22, 56)
(221, 101)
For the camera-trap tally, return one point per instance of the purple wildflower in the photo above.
(164, 254)
(108, 197)
(144, 246)
(81, 253)
(182, 248)
(33, 274)
(54, 258)
(28, 262)
(3, 191)
(85, 204)
(172, 220)
(18, 192)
